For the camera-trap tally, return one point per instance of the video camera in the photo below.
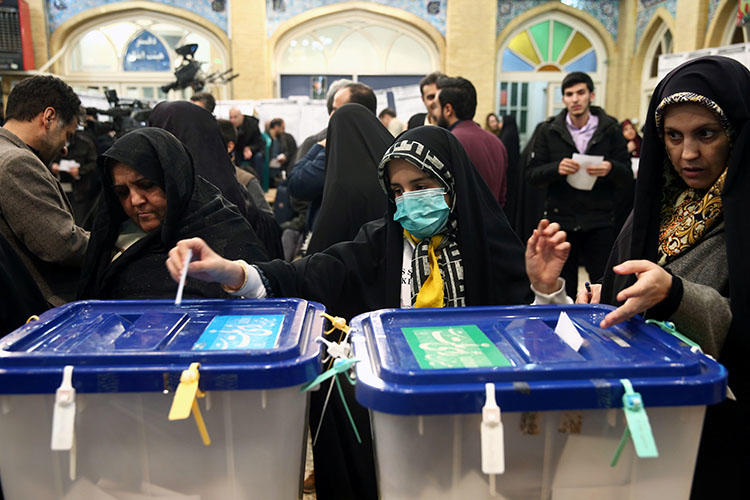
(188, 73)
(124, 117)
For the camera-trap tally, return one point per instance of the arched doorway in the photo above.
(378, 50)
(733, 33)
(535, 58)
(723, 29)
(661, 43)
(134, 54)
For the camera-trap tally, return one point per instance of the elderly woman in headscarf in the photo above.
(151, 199)
(444, 242)
(196, 127)
(683, 253)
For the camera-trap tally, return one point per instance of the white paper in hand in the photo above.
(68, 165)
(581, 179)
(567, 331)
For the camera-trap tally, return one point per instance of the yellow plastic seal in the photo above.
(185, 401)
(337, 323)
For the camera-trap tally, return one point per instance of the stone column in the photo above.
(624, 87)
(691, 23)
(250, 51)
(471, 28)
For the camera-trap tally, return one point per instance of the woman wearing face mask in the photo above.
(151, 199)
(444, 242)
(440, 213)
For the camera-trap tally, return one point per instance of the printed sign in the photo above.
(146, 53)
(446, 347)
(240, 332)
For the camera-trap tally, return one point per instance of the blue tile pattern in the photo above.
(605, 11)
(645, 14)
(278, 11)
(60, 11)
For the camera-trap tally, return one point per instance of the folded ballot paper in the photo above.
(568, 332)
(583, 180)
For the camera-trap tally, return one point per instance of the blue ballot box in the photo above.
(120, 399)
(564, 396)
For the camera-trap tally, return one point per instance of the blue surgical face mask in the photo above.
(423, 213)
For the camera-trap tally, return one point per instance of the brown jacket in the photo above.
(36, 219)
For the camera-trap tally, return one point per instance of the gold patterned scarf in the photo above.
(688, 218)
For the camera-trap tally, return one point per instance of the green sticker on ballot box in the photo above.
(446, 347)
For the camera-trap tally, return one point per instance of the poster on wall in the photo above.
(318, 87)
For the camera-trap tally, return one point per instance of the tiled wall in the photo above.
(432, 11)
(605, 11)
(646, 11)
(60, 11)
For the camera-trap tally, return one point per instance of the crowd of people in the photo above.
(368, 216)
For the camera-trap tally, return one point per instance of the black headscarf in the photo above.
(491, 254)
(637, 140)
(727, 83)
(195, 208)
(509, 137)
(197, 129)
(355, 143)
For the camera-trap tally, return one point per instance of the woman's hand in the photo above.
(206, 265)
(594, 297)
(546, 253)
(651, 287)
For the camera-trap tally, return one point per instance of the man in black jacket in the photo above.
(250, 144)
(283, 150)
(586, 216)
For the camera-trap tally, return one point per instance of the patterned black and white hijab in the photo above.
(448, 253)
(480, 258)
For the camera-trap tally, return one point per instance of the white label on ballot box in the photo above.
(492, 435)
(64, 413)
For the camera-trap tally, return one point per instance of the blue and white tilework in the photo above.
(60, 11)
(605, 11)
(432, 11)
(646, 12)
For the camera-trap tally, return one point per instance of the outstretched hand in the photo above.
(651, 287)
(546, 253)
(206, 265)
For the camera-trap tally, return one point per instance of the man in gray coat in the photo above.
(35, 215)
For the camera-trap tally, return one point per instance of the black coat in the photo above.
(248, 134)
(575, 209)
